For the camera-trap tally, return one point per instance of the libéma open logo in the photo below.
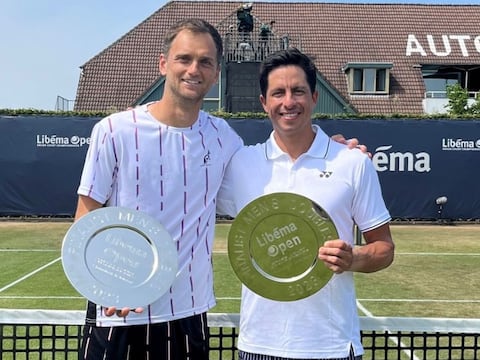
(460, 144)
(61, 141)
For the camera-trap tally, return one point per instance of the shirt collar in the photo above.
(319, 148)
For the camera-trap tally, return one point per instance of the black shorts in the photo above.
(175, 340)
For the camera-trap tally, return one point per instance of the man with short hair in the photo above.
(324, 325)
(167, 159)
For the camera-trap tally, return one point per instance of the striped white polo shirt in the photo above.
(173, 174)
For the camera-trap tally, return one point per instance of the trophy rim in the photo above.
(106, 284)
(315, 227)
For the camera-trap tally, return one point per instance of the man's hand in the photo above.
(112, 310)
(337, 255)
(351, 143)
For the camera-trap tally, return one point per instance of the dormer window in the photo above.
(368, 78)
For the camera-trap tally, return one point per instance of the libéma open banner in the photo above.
(420, 163)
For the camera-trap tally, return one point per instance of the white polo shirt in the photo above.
(345, 184)
(173, 174)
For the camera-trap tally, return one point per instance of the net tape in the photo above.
(77, 317)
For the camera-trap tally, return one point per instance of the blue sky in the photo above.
(44, 43)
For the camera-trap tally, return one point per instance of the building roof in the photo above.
(333, 34)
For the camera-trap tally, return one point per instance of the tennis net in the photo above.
(55, 334)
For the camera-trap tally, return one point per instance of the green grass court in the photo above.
(436, 272)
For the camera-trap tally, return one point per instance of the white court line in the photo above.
(394, 339)
(28, 250)
(386, 300)
(400, 253)
(237, 298)
(420, 300)
(438, 254)
(225, 252)
(383, 300)
(29, 274)
(41, 297)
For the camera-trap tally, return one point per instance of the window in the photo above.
(437, 87)
(437, 78)
(368, 78)
(211, 101)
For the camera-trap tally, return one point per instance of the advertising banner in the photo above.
(40, 164)
(419, 162)
(428, 169)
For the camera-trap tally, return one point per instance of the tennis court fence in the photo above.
(56, 334)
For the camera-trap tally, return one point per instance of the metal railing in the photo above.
(252, 47)
(63, 104)
(443, 94)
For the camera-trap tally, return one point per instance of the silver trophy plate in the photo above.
(120, 257)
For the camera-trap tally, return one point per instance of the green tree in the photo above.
(457, 99)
